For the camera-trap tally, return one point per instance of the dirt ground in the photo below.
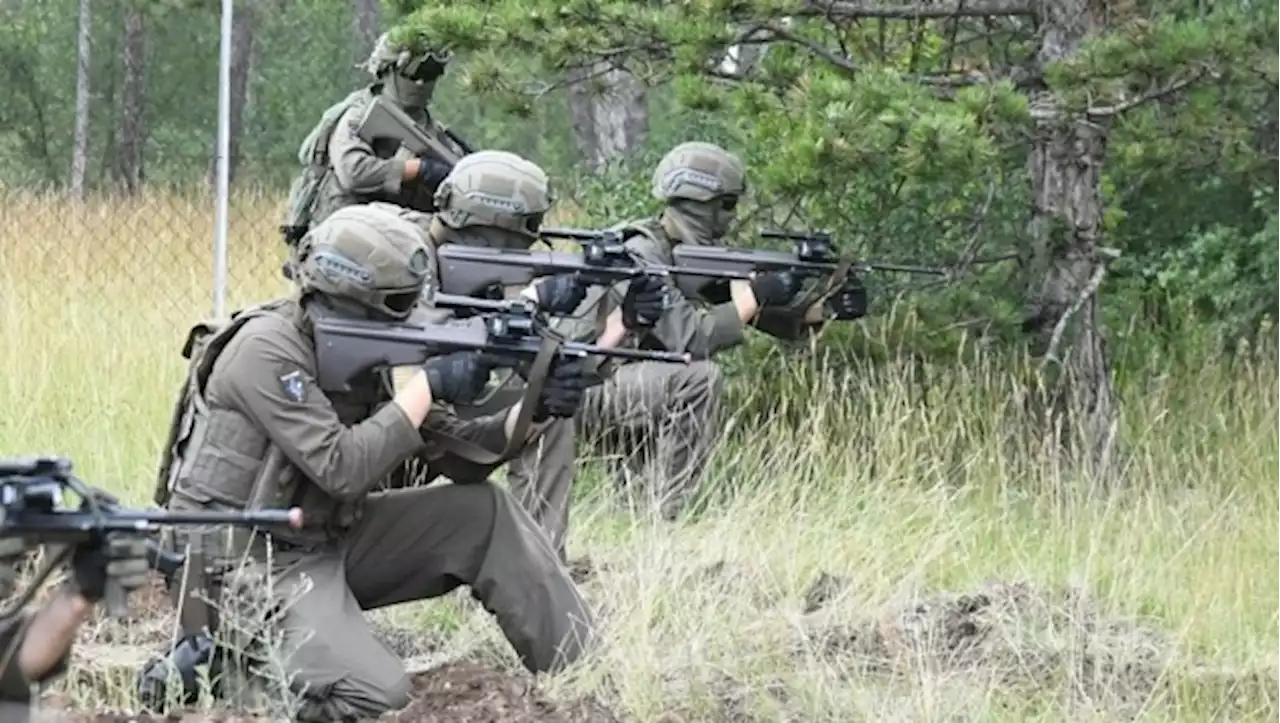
(453, 693)
(1020, 637)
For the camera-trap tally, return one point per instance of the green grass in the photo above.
(903, 496)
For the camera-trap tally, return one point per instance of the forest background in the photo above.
(1090, 402)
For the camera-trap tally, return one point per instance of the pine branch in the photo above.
(1109, 111)
(859, 9)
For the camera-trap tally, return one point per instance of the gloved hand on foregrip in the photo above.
(564, 389)
(117, 557)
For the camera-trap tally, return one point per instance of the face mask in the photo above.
(411, 95)
(695, 222)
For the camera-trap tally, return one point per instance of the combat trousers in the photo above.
(654, 421)
(415, 544)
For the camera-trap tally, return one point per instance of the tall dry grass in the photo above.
(877, 510)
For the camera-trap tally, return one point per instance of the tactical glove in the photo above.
(775, 288)
(644, 303)
(117, 557)
(459, 377)
(850, 302)
(432, 171)
(560, 294)
(563, 390)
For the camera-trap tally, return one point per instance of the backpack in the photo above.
(205, 342)
(314, 157)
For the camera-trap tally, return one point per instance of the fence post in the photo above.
(223, 164)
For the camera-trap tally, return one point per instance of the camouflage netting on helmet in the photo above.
(368, 256)
(697, 171)
(495, 189)
(398, 51)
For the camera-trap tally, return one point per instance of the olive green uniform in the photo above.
(656, 419)
(362, 550)
(360, 172)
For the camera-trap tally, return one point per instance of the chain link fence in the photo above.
(108, 143)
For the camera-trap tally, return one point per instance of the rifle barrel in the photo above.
(508, 306)
(118, 519)
(905, 268)
(580, 234)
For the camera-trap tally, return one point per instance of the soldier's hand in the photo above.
(431, 170)
(563, 390)
(560, 294)
(117, 557)
(850, 302)
(644, 303)
(775, 288)
(459, 377)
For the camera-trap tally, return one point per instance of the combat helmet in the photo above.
(425, 65)
(496, 189)
(698, 171)
(368, 257)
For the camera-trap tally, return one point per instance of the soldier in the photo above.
(660, 418)
(254, 392)
(498, 199)
(340, 168)
(36, 646)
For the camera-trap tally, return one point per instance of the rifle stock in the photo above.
(384, 119)
(347, 349)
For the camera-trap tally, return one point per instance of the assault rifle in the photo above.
(31, 492)
(813, 256)
(346, 349)
(383, 119)
(478, 271)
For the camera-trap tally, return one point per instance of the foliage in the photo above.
(897, 480)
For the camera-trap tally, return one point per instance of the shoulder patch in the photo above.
(294, 385)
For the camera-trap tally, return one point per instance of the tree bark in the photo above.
(133, 129)
(366, 23)
(242, 42)
(80, 141)
(609, 114)
(1064, 229)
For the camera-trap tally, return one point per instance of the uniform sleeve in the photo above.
(270, 380)
(355, 165)
(686, 326)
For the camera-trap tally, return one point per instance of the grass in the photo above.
(1153, 598)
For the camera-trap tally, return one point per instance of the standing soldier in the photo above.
(660, 418)
(356, 155)
(253, 394)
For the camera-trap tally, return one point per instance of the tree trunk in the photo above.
(1065, 229)
(609, 114)
(80, 142)
(242, 40)
(133, 129)
(366, 23)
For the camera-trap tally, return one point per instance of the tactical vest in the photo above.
(272, 481)
(314, 157)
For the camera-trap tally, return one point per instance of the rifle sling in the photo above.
(541, 366)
